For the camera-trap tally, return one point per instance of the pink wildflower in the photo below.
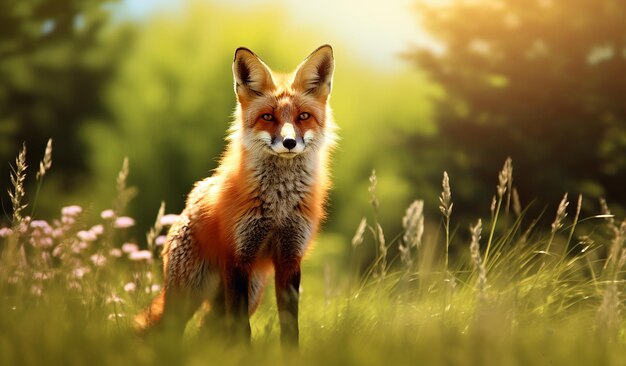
(80, 272)
(24, 225)
(115, 252)
(5, 231)
(130, 287)
(98, 260)
(97, 229)
(57, 232)
(129, 247)
(140, 255)
(39, 224)
(39, 241)
(71, 211)
(124, 222)
(78, 247)
(41, 235)
(169, 220)
(86, 235)
(107, 214)
(160, 240)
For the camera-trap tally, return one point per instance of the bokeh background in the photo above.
(421, 87)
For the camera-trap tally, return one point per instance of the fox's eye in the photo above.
(303, 116)
(268, 117)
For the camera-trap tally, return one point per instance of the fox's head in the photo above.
(279, 114)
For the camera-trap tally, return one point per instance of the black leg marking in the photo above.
(292, 240)
(236, 300)
(287, 297)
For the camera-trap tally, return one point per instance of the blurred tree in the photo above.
(52, 66)
(542, 81)
(170, 105)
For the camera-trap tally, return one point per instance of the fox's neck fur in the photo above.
(281, 184)
(284, 184)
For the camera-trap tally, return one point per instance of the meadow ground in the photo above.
(516, 294)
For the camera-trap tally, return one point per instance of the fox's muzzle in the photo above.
(288, 134)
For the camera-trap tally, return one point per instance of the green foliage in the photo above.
(525, 305)
(52, 66)
(535, 80)
(375, 111)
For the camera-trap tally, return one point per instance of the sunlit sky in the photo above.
(379, 30)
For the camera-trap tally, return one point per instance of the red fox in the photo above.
(261, 208)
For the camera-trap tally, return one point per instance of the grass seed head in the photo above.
(561, 213)
(604, 208)
(18, 175)
(357, 239)
(446, 196)
(413, 223)
(46, 163)
(475, 231)
(505, 178)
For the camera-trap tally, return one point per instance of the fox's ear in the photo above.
(315, 74)
(252, 76)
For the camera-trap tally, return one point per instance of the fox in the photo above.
(261, 208)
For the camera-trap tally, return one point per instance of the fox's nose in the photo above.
(289, 143)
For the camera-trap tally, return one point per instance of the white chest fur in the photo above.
(283, 184)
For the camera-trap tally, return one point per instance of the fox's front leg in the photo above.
(251, 233)
(287, 297)
(292, 242)
(236, 283)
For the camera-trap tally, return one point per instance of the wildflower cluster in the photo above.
(90, 259)
(67, 242)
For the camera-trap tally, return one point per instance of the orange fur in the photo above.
(263, 205)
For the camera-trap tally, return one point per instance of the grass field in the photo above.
(518, 294)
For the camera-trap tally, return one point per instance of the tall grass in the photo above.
(526, 295)
(445, 206)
